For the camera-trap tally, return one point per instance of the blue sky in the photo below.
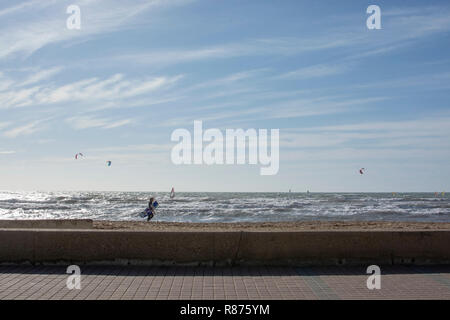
(343, 97)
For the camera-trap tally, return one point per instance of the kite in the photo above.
(361, 171)
(108, 163)
(78, 155)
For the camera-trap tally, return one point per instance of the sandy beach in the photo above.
(270, 226)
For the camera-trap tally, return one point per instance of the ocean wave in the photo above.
(225, 207)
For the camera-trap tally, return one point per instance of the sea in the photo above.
(227, 206)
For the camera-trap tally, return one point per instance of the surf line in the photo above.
(216, 152)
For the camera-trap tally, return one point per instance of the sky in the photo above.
(342, 96)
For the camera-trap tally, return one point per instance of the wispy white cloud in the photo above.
(27, 5)
(86, 122)
(134, 148)
(113, 88)
(22, 130)
(404, 30)
(416, 126)
(430, 81)
(90, 90)
(255, 47)
(315, 71)
(352, 155)
(428, 133)
(296, 108)
(17, 97)
(41, 75)
(47, 24)
(4, 124)
(231, 79)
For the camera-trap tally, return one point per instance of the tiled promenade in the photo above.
(203, 283)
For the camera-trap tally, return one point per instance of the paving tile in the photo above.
(206, 283)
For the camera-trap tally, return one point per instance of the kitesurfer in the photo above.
(150, 210)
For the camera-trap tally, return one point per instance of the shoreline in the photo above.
(270, 226)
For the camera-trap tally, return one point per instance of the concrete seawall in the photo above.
(224, 248)
(48, 224)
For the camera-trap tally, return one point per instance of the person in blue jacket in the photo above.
(150, 211)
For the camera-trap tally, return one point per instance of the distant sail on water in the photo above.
(172, 193)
